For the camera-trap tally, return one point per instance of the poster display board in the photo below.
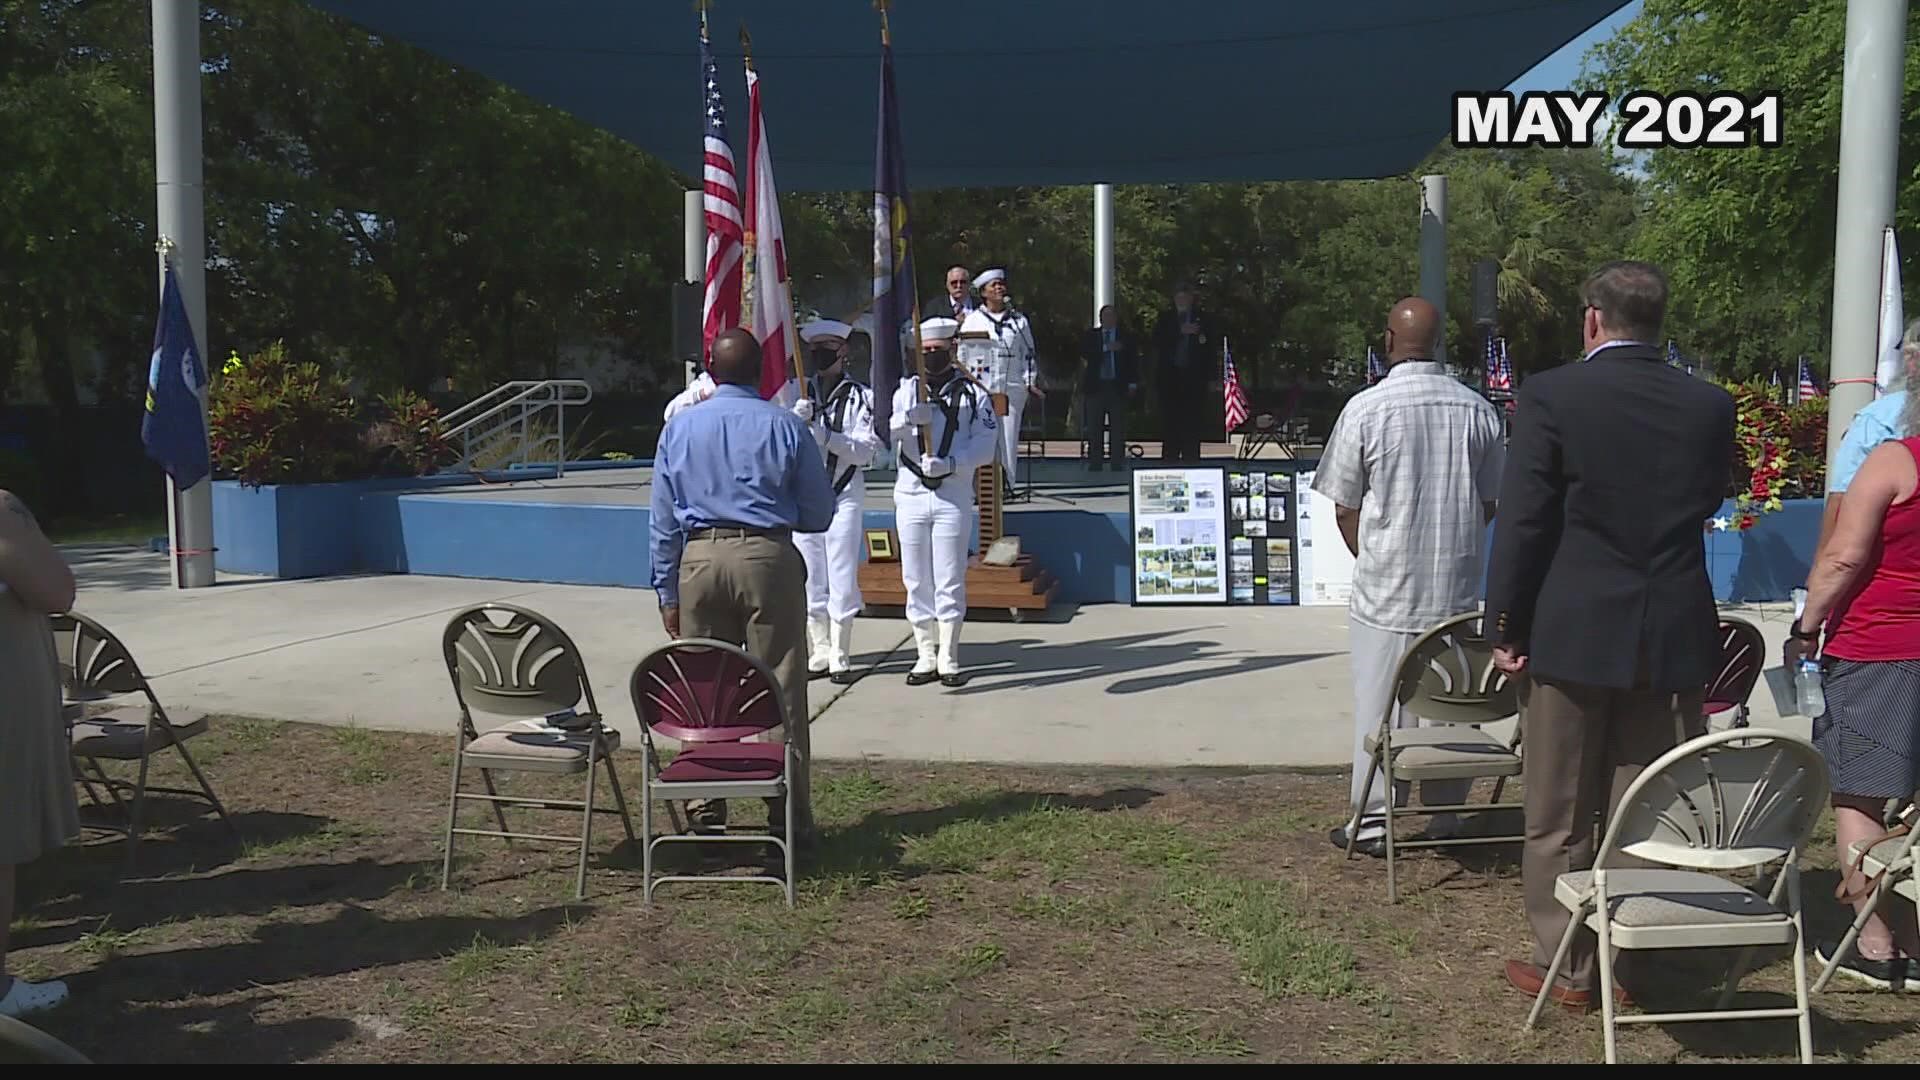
(1325, 565)
(1261, 519)
(1178, 523)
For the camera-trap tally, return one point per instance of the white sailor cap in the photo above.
(988, 276)
(817, 329)
(938, 331)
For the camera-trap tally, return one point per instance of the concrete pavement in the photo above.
(1101, 685)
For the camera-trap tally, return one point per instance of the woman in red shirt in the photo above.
(1864, 591)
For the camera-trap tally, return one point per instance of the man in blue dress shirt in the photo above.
(733, 480)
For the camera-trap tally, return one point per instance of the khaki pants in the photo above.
(1583, 746)
(751, 591)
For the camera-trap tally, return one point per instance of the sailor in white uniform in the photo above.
(701, 388)
(841, 409)
(933, 498)
(1009, 365)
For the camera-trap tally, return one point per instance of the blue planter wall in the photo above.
(413, 527)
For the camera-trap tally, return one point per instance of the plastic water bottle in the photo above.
(1809, 697)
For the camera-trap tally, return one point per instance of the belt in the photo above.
(737, 532)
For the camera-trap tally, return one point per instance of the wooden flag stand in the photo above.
(1017, 589)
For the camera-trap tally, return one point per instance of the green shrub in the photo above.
(406, 438)
(272, 420)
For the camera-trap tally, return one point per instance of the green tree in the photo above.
(1747, 234)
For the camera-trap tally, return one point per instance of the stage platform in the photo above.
(1071, 519)
(1054, 485)
(590, 526)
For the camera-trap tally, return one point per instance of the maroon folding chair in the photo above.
(712, 698)
(1742, 654)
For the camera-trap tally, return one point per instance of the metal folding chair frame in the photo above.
(652, 787)
(598, 752)
(1710, 839)
(107, 670)
(1487, 693)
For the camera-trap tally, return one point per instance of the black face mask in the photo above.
(939, 365)
(821, 358)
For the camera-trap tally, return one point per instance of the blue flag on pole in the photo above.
(174, 428)
(896, 299)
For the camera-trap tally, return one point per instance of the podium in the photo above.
(1017, 589)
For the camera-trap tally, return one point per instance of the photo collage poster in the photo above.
(1179, 529)
(1260, 537)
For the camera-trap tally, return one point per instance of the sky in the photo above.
(1558, 71)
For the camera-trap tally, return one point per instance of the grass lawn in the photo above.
(952, 913)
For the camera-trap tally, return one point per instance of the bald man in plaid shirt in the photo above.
(1413, 467)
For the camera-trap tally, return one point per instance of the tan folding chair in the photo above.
(1726, 801)
(23, 1044)
(509, 661)
(1448, 680)
(96, 666)
(1888, 861)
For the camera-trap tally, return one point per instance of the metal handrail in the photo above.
(514, 403)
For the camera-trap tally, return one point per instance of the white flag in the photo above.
(1891, 372)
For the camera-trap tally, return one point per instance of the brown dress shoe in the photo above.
(1527, 979)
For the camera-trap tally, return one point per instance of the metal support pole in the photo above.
(181, 217)
(1102, 248)
(694, 252)
(1869, 142)
(1433, 252)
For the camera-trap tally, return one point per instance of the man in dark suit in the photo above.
(1597, 592)
(1107, 383)
(1189, 367)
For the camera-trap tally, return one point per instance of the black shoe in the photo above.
(1376, 848)
(921, 678)
(843, 678)
(1895, 974)
(955, 679)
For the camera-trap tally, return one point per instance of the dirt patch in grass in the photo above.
(951, 913)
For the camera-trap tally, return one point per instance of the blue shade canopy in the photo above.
(1036, 92)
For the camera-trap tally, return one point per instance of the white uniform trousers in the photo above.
(1009, 454)
(934, 528)
(1376, 656)
(833, 558)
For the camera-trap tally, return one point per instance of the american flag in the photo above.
(1499, 368)
(1237, 407)
(1807, 388)
(1375, 369)
(720, 307)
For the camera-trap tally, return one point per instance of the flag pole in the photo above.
(919, 355)
(175, 544)
(792, 332)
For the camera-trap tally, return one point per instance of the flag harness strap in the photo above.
(836, 420)
(949, 407)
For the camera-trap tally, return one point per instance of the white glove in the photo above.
(936, 467)
(920, 415)
(804, 410)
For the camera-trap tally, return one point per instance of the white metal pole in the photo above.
(1869, 141)
(1433, 252)
(695, 248)
(181, 217)
(1102, 248)
(694, 252)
